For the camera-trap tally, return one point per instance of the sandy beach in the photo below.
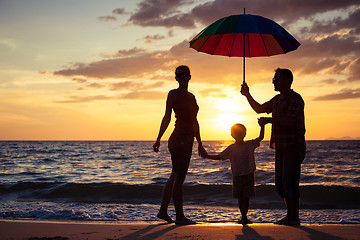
(47, 230)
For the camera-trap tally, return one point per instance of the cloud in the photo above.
(124, 85)
(342, 95)
(354, 71)
(132, 85)
(8, 43)
(95, 85)
(83, 99)
(79, 80)
(329, 45)
(107, 18)
(149, 39)
(147, 65)
(329, 81)
(135, 94)
(119, 11)
(214, 92)
(333, 25)
(334, 54)
(144, 95)
(130, 52)
(163, 13)
(126, 67)
(332, 46)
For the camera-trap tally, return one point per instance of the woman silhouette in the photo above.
(180, 143)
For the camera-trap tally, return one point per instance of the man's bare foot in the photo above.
(245, 221)
(282, 221)
(293, 222)
(184, 221)
(165, 217)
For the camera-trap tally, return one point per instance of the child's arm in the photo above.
(206, 155)
(213, 157)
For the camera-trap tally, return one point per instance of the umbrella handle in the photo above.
(244, 64)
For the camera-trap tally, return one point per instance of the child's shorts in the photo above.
(243, 186)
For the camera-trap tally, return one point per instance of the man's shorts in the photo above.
(287, 171)
(243, 186)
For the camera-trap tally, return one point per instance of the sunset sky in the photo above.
(101, 70)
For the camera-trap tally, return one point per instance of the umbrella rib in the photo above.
(217, 44)
(232, 46)
(248, 45)
(267, 52)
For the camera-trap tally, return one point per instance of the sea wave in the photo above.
(312, 196)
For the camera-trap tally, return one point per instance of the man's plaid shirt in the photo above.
(291, 105)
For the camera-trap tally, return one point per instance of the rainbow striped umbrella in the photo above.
(244, 35)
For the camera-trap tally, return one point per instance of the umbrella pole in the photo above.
(244, 57)
(244, 62)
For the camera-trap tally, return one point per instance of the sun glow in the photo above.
(228, 114)
(226, 120)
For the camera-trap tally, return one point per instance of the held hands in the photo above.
(156, 146)
(202, 151)
(264, 120)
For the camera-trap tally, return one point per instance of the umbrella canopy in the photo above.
(244, 35)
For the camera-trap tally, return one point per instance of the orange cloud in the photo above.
(341, 95)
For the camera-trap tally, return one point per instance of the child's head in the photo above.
(238, 131)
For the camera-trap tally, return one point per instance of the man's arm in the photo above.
(257, 107)
(295, 109)
(283, 121)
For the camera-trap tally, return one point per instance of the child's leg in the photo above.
(244, 207)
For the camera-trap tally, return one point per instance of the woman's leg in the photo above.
(166, 196)
(178, 197)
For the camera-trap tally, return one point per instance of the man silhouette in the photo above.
(287, 138)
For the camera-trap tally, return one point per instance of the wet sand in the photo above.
(46, 230)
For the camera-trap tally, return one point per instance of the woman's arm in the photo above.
(165, 121)
(198, 138)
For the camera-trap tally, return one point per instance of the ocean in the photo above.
(123, 181)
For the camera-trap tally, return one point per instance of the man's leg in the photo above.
(292, 160)
(293, 211)
(279, 182)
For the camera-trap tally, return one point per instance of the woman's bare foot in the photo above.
(165, 217)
